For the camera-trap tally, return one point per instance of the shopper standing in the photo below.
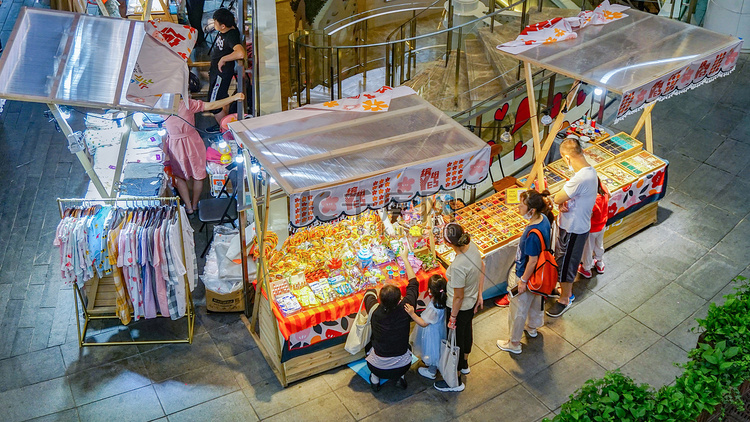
(526, 307)
(227, 48)
(465, 284)
(593, 252)
(186, 150)
(576, 200)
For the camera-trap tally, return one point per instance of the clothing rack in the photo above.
(100, 292)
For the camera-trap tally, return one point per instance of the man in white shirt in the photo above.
(576, 200)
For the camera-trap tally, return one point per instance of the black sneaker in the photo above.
(214, 129)
(443, 386)
(558, 309)
(375, 386)
(401, 383)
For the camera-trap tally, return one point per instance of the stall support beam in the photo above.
(556, 125)
(645, 120)
(85, 162)
(534, 123)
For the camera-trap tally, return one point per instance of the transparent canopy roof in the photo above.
(628, 53)
(306, 149)
(67, 58)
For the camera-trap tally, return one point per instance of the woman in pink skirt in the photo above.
(186, 149)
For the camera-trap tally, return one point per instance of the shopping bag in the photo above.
(448, 364)
(359, 334)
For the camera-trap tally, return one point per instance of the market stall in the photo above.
(639, 57)
(119, 74)
(340, 172)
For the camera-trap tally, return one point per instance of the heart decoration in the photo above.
(519, 151)
(501, 112)
(556, 105)
(522, 115)
(581, 97)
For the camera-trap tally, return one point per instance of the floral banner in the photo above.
(637, 193)
(396, 186)
(374, 101)
(691, 76)
(561, 29)
(161, 67)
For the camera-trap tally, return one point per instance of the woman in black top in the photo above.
(389, 354)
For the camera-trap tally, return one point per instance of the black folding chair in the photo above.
(220, 210)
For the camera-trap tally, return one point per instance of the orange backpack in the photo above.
(545, 276)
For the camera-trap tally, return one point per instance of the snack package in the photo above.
(279, 287)
(306, 297)
(288, 304)
(297, 281)
(343, 288)
(322, 291)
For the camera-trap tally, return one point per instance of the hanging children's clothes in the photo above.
(141, 248)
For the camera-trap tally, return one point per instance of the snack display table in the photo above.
(334, 166)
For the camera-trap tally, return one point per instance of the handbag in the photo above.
(448, 364)
(359, 334)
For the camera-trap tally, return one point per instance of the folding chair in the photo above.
(219, 210)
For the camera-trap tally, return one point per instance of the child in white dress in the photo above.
(430, 330)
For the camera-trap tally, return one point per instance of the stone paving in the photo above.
(636, 317)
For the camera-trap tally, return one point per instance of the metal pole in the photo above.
(449, 41)
(364, 73)
(307, 71)
(458, 66)
(602, 101)
(243, 63)
(338, 72)
(491, 11)
(85, 162)
(256, 59)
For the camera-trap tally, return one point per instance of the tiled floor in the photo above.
(637, 316)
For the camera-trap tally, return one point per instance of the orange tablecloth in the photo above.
(340, 308)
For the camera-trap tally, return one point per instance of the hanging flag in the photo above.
(161, 67)
(561, 29)
(375, 101)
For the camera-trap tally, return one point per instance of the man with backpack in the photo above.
(533, 263)
(576, 200)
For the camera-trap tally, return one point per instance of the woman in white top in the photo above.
(465, 284)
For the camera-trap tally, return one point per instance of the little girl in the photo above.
(431, 326)
(593, 250)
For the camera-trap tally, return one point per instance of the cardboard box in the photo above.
(230, 302)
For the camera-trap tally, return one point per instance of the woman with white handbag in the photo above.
(389, 356)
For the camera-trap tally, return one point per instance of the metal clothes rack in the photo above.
(90, 309)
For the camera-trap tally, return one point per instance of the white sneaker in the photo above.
(466, 371)
(508, 347)
(531, 332)
(425, 372)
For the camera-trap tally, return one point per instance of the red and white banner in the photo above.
(561, 29)
(161, 67)
(397, 186)
(375, 101)
(691, 76)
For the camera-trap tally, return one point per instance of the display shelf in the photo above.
(614, 176)
(597, 156)
(641, 163)
(490, 223)
(621, 145)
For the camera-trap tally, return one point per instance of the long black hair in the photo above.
(437, 284)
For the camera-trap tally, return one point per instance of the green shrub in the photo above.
(711, 377)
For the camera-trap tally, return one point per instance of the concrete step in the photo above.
(504, 65)
(482, 79)
(452, 99)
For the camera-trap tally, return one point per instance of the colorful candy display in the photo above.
(641, 163)
(490, 222)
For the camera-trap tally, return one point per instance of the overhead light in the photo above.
(255, 168)
(162, 132)
(598, 91)
(546, 119)
(240, 159)
(65, 113)
(506, 136)
(222, 144)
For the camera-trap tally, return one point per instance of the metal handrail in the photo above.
(417, 37)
